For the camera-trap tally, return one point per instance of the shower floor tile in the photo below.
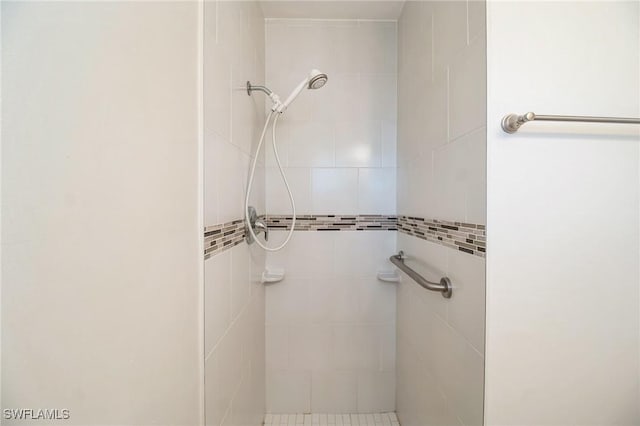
(369, 419)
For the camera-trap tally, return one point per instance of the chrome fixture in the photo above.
(275, 99)
(263, 89)
(512, 122)
(315, 80)
(257, 224)
(444, 286)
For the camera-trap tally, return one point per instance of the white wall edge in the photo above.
(489, 219)
(200, 221)
(1, 404)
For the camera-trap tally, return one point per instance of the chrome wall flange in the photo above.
(448, 287)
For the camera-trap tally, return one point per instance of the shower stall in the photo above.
(315, 325)
(320, 213)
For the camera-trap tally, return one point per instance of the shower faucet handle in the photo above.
(257, 225)
(261, 226)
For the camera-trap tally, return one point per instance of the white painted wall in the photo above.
(563, 215)
(441, 175)
(330, 323)
(100, 243)
(234, 297)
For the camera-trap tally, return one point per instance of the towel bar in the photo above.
(512, 122)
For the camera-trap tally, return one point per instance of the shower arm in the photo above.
(274, 98)
(263, 89)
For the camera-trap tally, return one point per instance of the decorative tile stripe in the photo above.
(222, 237)
(367, 222)
(466, 237)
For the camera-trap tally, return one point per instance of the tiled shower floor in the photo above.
(371, 419)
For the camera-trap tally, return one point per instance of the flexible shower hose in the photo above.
(284, 178)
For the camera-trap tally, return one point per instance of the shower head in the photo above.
(315, 80)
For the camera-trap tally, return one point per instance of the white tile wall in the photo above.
(288, 391)
(339, 140)
(442, 111)
(328, 321)
(441, 174)
(376, 190)
(334, 391)
(234, 298)
(235, 338)
(331, 324)
(445, 337)
(233, 54)
(334, 191)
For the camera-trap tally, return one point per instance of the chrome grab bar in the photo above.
(512, 122)
(444, 286)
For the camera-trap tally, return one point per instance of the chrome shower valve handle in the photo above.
(261, 226)
(258, 225)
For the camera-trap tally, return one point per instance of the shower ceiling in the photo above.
(314, 9)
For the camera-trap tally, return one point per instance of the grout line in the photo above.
(444, 321)
(355, 20)
(468, 132)
(217, 23)
(448, 78)
(433, 47)
(227, 331)
(467, 11)
(227, 413)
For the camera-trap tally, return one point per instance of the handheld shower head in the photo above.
(315, 80)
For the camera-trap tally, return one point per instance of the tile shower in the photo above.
(105, 144)
(378, 160)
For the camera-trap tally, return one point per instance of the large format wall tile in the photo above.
(234, 297)
(338, 132)
(441, 176)
(331, 323)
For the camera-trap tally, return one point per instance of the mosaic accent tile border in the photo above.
(218, 238)
(466, 237)
(367, 222)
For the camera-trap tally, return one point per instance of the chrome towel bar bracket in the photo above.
(512, 122)
(444, 286)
